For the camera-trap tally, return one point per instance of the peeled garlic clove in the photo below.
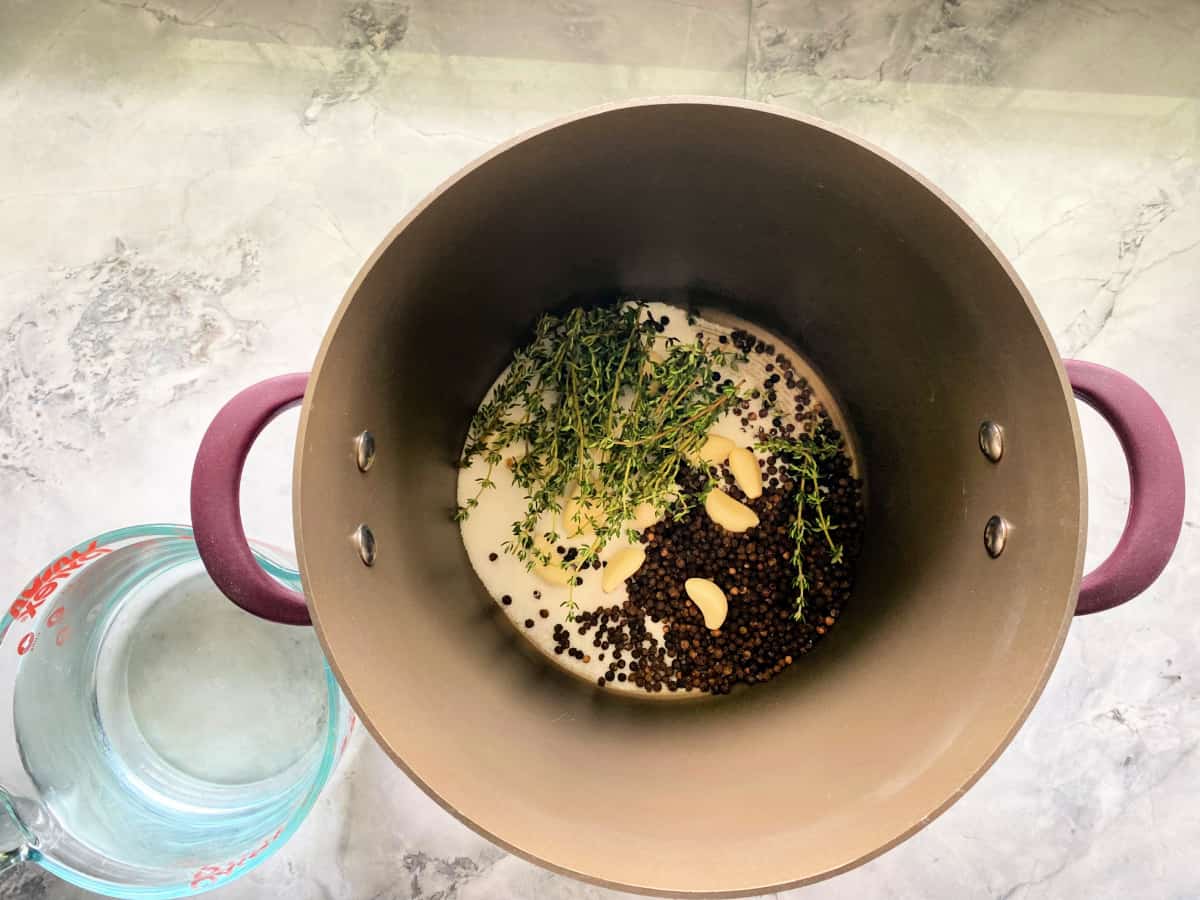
(715, 450)
(746, 472)
(622, 564)
(580, 517)
(729, 513)
(553, 574)
(572, 518)
(709, 599)
(644, 516)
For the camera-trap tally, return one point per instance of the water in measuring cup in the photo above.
(175, 725)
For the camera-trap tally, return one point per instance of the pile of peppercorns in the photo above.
(761, 634)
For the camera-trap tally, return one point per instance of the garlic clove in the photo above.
(554, 574)
(644, 516)
(715, 450)
(622, 565)
(729, 513)
(746, 472)
(709, 599)
(580, 517)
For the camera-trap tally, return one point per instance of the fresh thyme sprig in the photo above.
(596, 410)
(802, 457)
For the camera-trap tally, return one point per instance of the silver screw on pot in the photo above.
(364, 538)
(991, 440)
(364, 450)
(995, 535)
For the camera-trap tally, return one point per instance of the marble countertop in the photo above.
(188, 186)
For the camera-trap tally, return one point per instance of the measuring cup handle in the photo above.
(216, 501)
(1156, 486)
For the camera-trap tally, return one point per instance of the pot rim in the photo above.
(811, 121)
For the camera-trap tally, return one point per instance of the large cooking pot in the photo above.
(907, 310)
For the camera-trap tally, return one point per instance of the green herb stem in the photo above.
(802, 456)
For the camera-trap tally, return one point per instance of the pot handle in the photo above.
(1156, 486)
(216, 501)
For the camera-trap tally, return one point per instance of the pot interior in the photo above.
(916, 323)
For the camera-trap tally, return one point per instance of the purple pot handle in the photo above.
(1156, 486)
(216, 501)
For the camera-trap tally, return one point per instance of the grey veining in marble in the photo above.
(188, 186)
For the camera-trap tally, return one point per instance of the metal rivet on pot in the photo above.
(991, 440)
(995, 535)
(365, 540)
(364, 450)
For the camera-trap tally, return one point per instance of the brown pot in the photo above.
(922, 328)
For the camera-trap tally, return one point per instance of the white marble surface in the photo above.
(187, 186)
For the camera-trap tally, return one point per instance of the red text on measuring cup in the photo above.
(25, 608)
(216, 873)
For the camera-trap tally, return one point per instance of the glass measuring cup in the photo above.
(162, 741)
